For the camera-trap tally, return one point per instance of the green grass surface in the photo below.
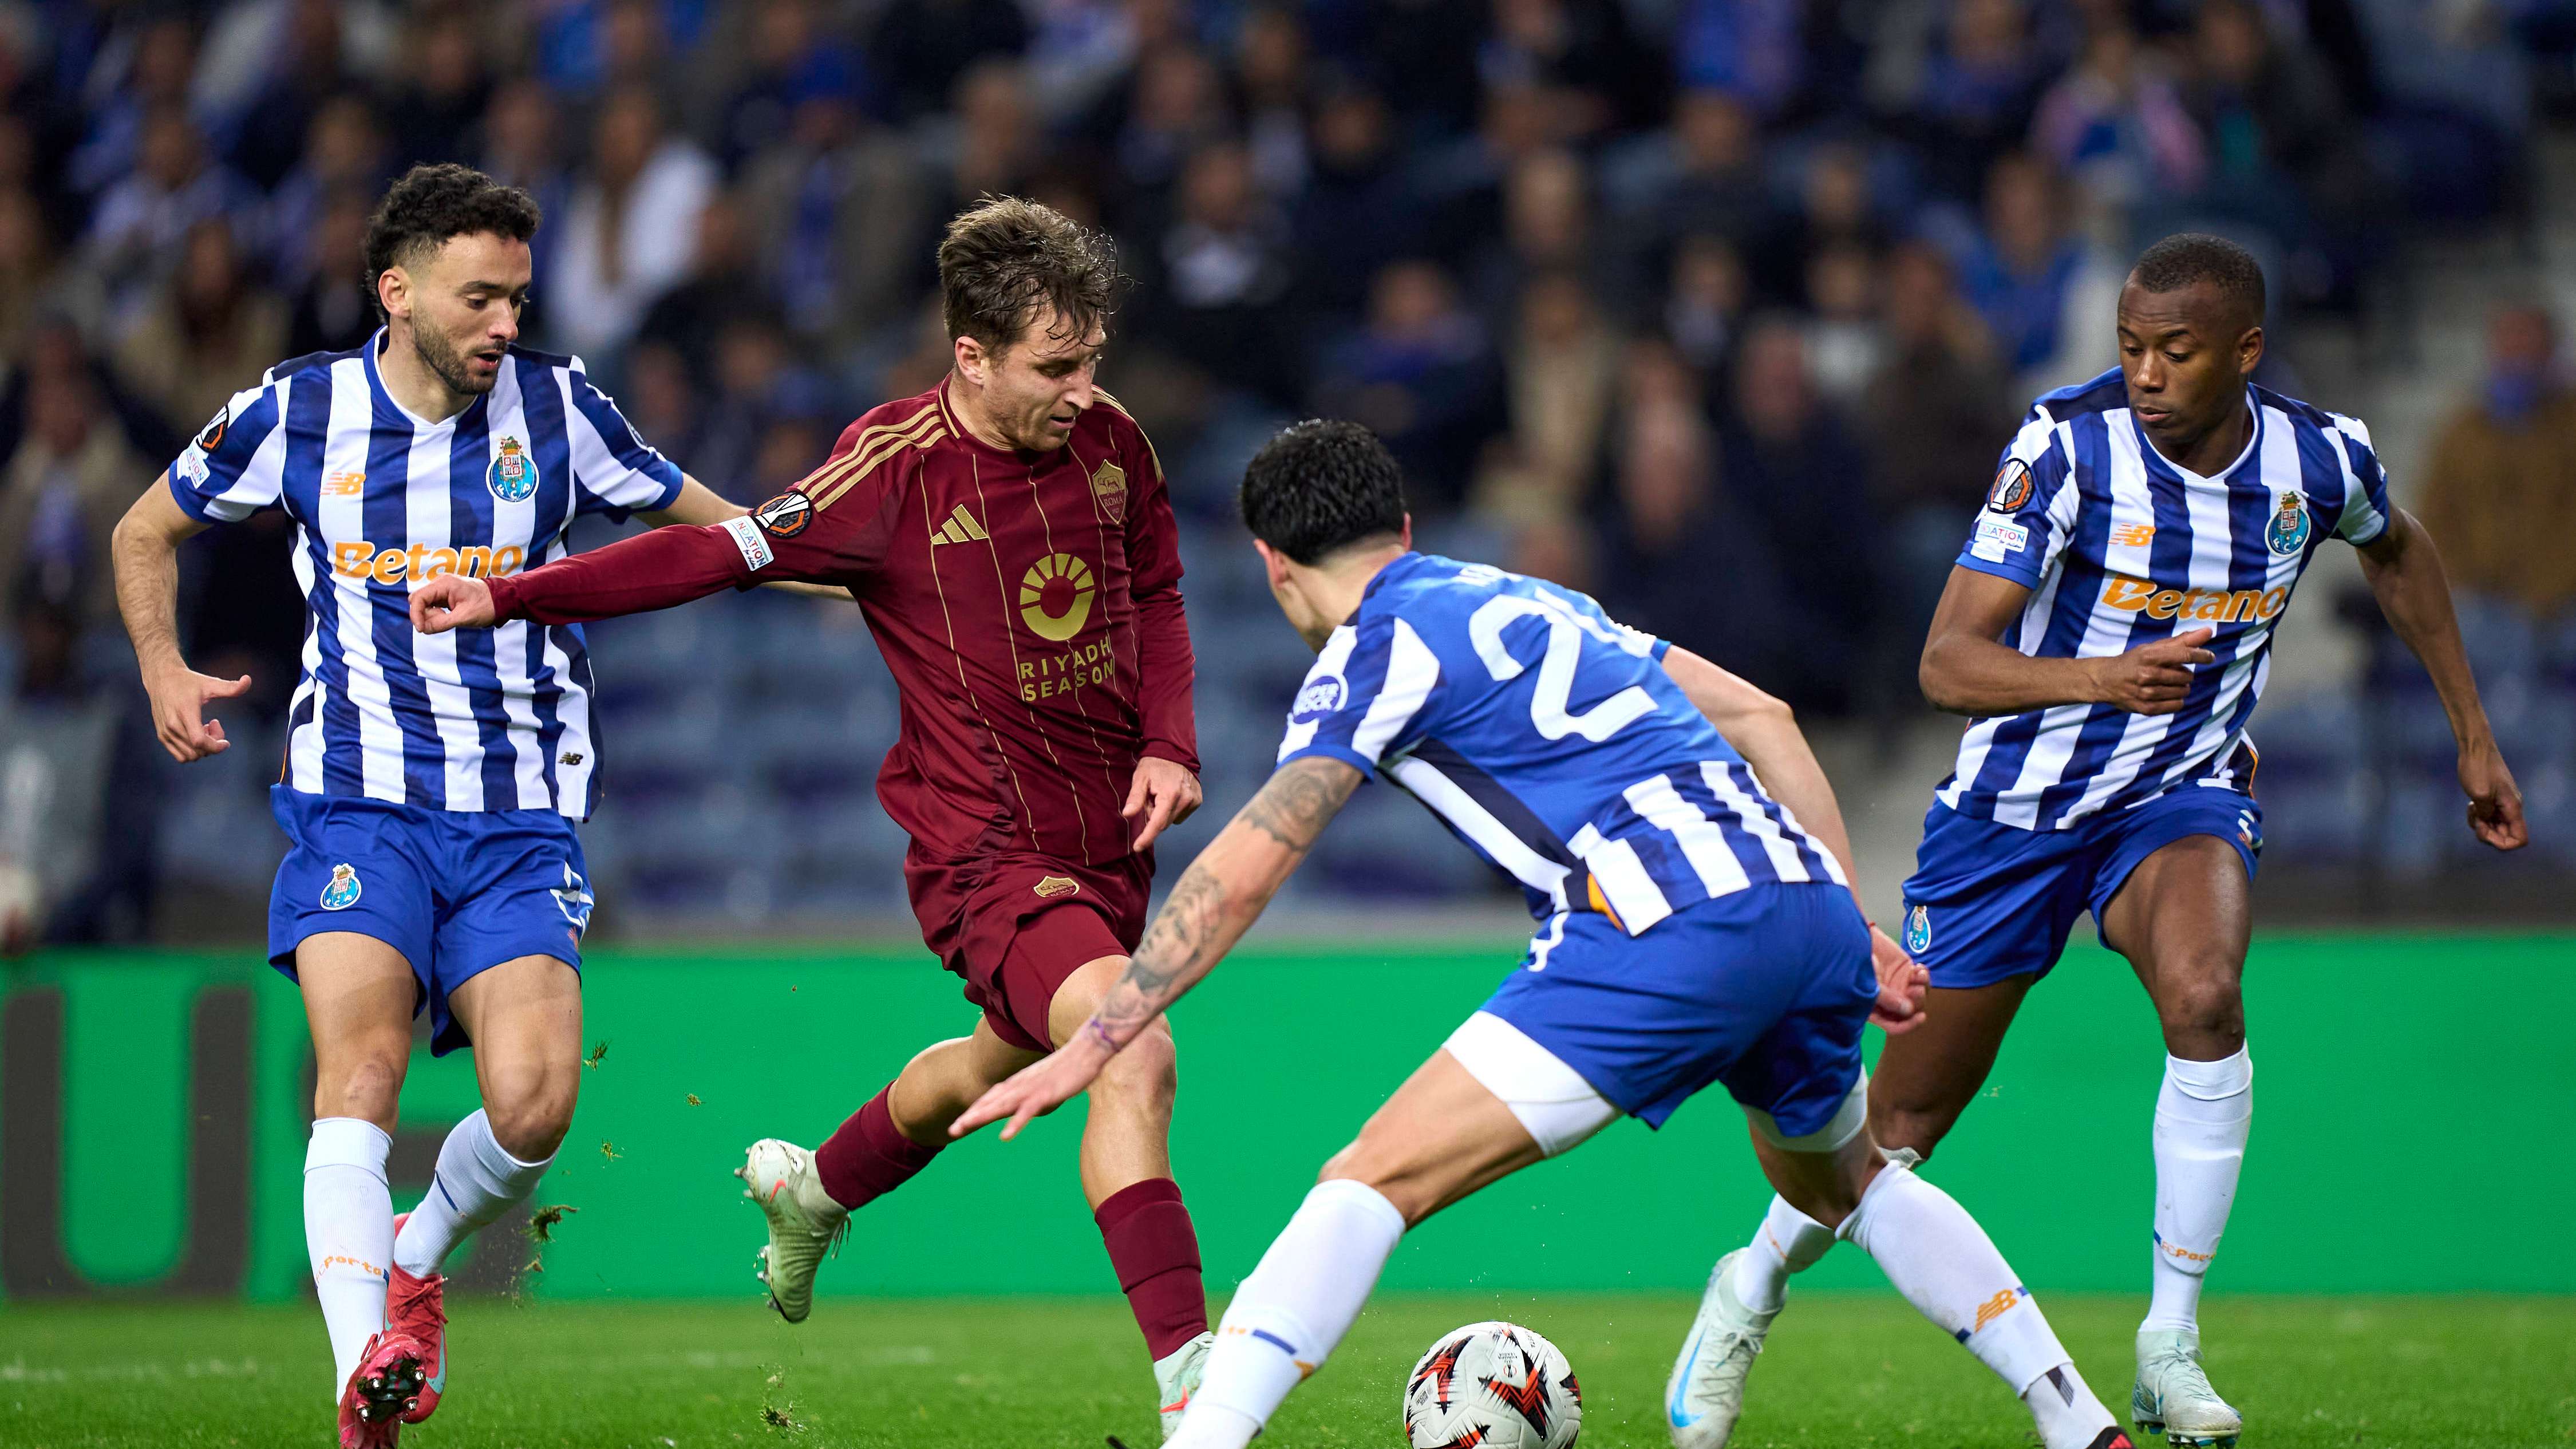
(1843, 1369)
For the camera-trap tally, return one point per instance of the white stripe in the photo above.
(575, 756)
(428, 503)
(1703, 841)
(263, 479)
(304, 745)
(1623, 879)
(2359, 518)
(1411, 670)
(514, 525)
(344, 450)
(1756, 822)
(2211, 740)
(1472, 820)
(595, 469)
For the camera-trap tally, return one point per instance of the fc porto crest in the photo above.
(1918, 930)
(343, 890)
(1109, 490)
(2290, 526)
(513, 475)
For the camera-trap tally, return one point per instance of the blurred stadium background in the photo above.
(1719, 309)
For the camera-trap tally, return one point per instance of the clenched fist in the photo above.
(2150, 679)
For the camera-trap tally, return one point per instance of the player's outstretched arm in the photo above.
(145, 550)
(1218, 898)
(700, 506)
(649, 571)
(2405, 573)
(1765, 731)
(1967, 670)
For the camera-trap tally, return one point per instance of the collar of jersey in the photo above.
(2219, 479)
(384, 396)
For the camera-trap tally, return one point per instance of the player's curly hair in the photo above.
(432, 203)
(1005, 258)
(2192, 256)
(1321, 486)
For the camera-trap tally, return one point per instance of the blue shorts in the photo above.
(457, 892)
(1765, 989)
(1988, 901)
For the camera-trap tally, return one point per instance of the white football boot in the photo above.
(804, 1222)
(1706, 1392)
(1176, 1379)
(2173, 1396)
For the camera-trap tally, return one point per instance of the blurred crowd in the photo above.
(1646, 294)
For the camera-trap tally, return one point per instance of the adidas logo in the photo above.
(961, 528)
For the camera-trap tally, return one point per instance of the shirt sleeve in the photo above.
(1369, 695)
(2365, 496)
(835, 525)
(616, 471)
(2029, 512)
(1166, 668)
(236, 465)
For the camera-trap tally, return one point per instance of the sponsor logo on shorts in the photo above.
(1056, 885)
(1999, 1305)
(2012, 487)
(513, 474)
(343, 891)
(785, 515)
(1319, 698)
(2290, 526)
(1918, 930)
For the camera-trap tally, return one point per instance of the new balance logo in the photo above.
(961, 528)
(1996, 1307)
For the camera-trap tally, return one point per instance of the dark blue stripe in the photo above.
(584, 676)
(1658, 849)
(542, 405)
(231, 458)
(388, 520)
(1808, 855)
(469, 523)
(1694, 790)
(2079, 588)
(1498, 801)
(308, 424)
(1275, 1341)
(2168, 565)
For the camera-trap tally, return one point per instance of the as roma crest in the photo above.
(1109, 490)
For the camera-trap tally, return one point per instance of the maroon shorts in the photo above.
(1016, 926)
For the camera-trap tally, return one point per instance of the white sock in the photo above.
(1291, 1313)
(1944, 1264)
(477, 1181)
(2203, 1116)
(1789, 1242)
(348, 1234)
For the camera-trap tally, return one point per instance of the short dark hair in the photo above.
(1320, 487)
(2192, 256)
(432, 203)
(1005, 257)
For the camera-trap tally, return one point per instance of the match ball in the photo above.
(1492, 1386)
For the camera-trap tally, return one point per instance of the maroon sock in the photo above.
(870, 1157)
(1155, 1252)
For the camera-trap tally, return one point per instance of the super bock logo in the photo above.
(2290, 525)
(343, 890)
(514, 474)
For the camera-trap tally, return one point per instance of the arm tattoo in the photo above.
(1189, 932)
(1300, 800)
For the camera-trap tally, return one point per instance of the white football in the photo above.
(1492, 1386)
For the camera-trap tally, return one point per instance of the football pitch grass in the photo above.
(1842, 1369)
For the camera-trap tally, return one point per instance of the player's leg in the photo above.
(2182, 917)
(1444, 1134)
(1943, 1263)
(808, 1197)
(524, 1019)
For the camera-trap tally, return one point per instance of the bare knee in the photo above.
(1145, 1073)
(2203, 1013)
(530, 1112)
(365, 1083)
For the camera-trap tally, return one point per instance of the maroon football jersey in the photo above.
(1029, 605)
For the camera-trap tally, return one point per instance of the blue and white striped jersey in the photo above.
(1550, 739)
(382, 500)
(2119, 547)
